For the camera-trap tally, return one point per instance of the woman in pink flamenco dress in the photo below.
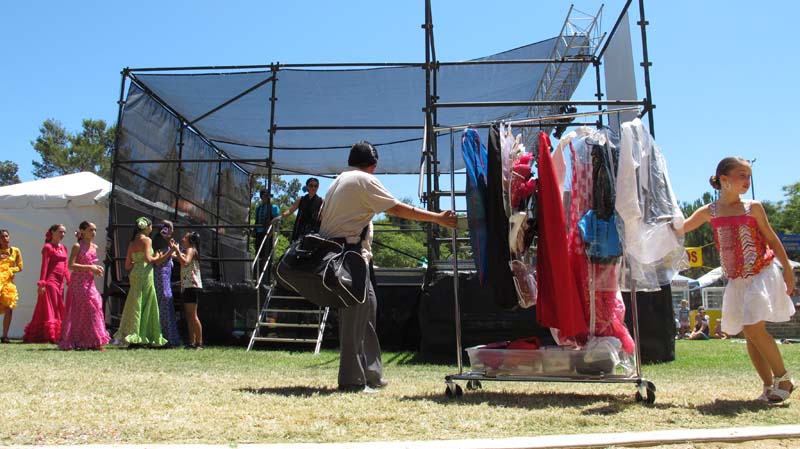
(45, 326)
(84, 323)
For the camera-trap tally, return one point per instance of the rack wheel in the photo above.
(648, 396)
(453, 391)
(474, 385)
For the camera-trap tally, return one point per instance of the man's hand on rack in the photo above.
(447, 218)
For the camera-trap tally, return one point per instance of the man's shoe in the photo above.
(382, 383)
(356, 389)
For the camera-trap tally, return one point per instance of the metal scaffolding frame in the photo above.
(563, 71)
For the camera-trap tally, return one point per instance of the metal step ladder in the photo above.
(288, 318)
(283, 312)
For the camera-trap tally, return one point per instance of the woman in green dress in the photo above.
(140, 325)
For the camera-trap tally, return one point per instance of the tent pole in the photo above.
(599, 94)
(646, 64)
(272, 131)
(220, 273)
(108, 261)
(180, 172)
(428, 199)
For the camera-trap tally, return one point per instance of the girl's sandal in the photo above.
(778, 394)
(765, 394)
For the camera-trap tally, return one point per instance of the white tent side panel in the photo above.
(27, 213)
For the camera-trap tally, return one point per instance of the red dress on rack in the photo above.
(45, 326)
(558, 303)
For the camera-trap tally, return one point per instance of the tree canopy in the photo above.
(9, 173)
(62, 152)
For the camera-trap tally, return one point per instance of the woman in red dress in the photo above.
(45, 326)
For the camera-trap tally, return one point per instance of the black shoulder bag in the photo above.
(327, 272)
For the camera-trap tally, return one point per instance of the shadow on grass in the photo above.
(404, 358)
(31, 348)
(321, 361)
(598, 404)
(722, 407)
(296, 391)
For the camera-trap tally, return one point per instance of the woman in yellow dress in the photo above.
(10, 264)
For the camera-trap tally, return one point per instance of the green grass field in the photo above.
(228, 396)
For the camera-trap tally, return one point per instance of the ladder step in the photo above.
(314, 311)
(286, 340)
(289, 325)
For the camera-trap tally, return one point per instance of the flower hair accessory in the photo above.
(78, 235)
(48, 236)
(142, 223)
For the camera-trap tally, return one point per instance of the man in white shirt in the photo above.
(351, 202)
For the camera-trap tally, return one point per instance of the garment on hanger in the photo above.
(598, 226)
(499, 275)
(558, 302)
(593, 245)
(601, 238)
(648, 210)
(522, 223)
(579, 200)
(508, 146)
(474, 153)
(559, 159)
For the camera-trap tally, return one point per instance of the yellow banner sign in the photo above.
(695, 255)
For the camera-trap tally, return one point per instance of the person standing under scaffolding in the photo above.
(307, 207)
(264, 213)
(350, 204)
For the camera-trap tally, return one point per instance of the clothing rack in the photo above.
(537, 120)
(645, 389)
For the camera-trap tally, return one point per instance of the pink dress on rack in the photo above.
(45, 326)
(609, 308)
(84, 323)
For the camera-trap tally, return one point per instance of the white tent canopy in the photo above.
(680, 281)
(28, 209)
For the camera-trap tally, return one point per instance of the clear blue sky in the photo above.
(724, 74)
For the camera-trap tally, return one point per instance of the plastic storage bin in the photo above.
(496, 362)
(546, 361)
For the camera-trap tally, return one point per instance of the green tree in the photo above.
(63, 153)
(786, 219)
(9, 173)
(398, 242)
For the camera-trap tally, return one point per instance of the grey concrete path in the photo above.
(595, 440)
